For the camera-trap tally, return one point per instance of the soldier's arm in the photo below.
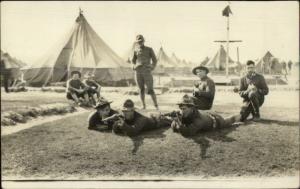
(70, 88)
(210, 90)
(242, 88)
(153, 58)
(133, 59)
(264, 89)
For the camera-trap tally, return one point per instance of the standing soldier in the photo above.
(142, 57)
(5, 72)
(253, 88)
(204, 90)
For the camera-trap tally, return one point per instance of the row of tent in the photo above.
(83, 50)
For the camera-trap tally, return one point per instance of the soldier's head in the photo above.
(103, 107)
(250, 67)
(200, 71)
(140, 40)
(75, 75)
(187, 105)
(128, 109)
(89, 76)
(5, 57)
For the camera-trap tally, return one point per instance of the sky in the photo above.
(30, 29)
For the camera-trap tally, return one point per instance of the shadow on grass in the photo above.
(217, 135)
(138, 141)
(279, 122)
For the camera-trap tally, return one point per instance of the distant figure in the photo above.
(142, 57)
(253, 88)
(290, 63)
(284, 70)
(19, 84)
(104, 117)
(204, 89)
(134, 123)
(190, 121)
(76, 89)
(5, 72)
(93, 88)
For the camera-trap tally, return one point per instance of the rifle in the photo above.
(114, 117)
(172, 114)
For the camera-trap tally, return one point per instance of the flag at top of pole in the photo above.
(226, 11)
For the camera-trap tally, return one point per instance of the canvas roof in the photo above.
(218, 62)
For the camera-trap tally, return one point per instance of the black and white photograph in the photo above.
(150, 94)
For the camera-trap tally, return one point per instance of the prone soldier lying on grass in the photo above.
(189, 121)
(133, 123)
(104, 118)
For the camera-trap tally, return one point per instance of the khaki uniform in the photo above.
(204, 98)
(138, 124)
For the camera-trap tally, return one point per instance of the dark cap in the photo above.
(102, 102)
(139, 38)
(186, 100)
(76, 72)
(128, 105)
(200, 68)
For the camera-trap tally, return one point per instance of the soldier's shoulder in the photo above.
(92, 115)
(148, 48)
(259, 75)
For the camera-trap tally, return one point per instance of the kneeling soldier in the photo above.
(104, 118)
(135, 123)
(253, 89)
(189, 121)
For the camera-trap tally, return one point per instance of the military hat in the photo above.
(102, 102)
(139, 38)
(76, 72)
(200, 68)
(128, 105)
(186, 100)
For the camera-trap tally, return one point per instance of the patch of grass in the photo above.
(66, 148)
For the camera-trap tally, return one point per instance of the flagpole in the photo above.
(227, 47)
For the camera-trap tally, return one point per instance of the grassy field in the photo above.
(65, 149)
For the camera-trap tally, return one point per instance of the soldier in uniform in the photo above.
(93, 88)
(5, 72)
(133, 123)
(204, 89)
(76, 89)
(142, 57)
(253, 88)
(189, 120)
(104, 117)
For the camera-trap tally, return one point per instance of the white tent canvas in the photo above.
(82, 49)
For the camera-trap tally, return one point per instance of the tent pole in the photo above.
(227, 47)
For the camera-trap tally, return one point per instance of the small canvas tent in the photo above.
(268, 64)
(82, 49)
(218, 62)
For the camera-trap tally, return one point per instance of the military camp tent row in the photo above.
(84, 50)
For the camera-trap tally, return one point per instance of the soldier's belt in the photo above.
(214, 119)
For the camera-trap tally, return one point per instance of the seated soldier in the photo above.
(93, 88)
(134, 123)
(204, 90)
(19, 84)
(253, 89)
(104, 117)
(76, 89)
(190, 121)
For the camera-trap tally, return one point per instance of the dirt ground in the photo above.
(65, 149)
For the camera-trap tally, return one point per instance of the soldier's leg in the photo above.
(149, 84)
(255, 103)
(245, 110)
(140, 83)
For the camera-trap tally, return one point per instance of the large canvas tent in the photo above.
(268, 64)
(164, 60)
(218, 62)
(82, 49)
